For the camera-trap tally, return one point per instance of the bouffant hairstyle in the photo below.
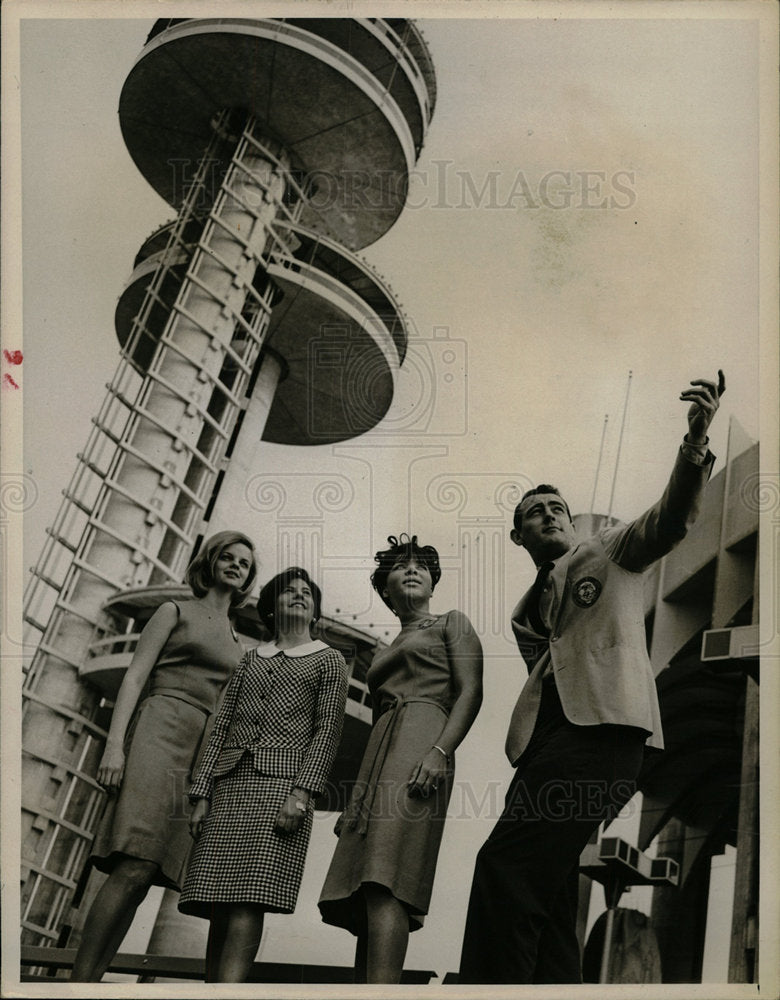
(200, 572)
(269, 595)
(403, 547)
(541, 488)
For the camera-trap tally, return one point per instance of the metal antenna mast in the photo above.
(620, 442)
(598, 464)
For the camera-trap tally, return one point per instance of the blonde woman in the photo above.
(186, 654)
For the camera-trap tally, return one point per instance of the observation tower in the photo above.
(284, 147)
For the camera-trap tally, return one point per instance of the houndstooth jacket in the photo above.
(286, 708)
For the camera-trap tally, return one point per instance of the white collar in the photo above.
(269, 649)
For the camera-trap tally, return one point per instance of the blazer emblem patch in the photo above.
(586, 591)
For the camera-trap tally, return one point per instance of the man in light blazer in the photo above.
(578, 732)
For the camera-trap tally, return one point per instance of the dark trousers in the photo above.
(521, 922)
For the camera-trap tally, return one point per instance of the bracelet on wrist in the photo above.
(441, 751)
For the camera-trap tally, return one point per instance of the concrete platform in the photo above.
(340, 124)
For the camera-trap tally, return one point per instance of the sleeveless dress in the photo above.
(388, 836)
(149, 817)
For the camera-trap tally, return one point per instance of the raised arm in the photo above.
(659, 529)
(465, 655)
(150, 644)
(704, 398)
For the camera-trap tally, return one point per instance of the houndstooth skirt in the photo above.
(239, 858)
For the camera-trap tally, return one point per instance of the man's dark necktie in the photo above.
(532, 608)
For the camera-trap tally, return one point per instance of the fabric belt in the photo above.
(179, 695)
(357, 813)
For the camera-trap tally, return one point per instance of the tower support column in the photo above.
(235, 510)
(148, 506)
(679, 913)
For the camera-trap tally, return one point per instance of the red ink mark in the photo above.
(13, 357)
(7, 380)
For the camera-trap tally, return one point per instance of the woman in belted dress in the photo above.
(186, 653)
(426, 689)
(270, 753)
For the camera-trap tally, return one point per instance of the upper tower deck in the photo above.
(350, 100)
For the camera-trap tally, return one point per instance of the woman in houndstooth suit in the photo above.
(270, 753)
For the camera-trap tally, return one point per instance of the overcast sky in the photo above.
(586, 204)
